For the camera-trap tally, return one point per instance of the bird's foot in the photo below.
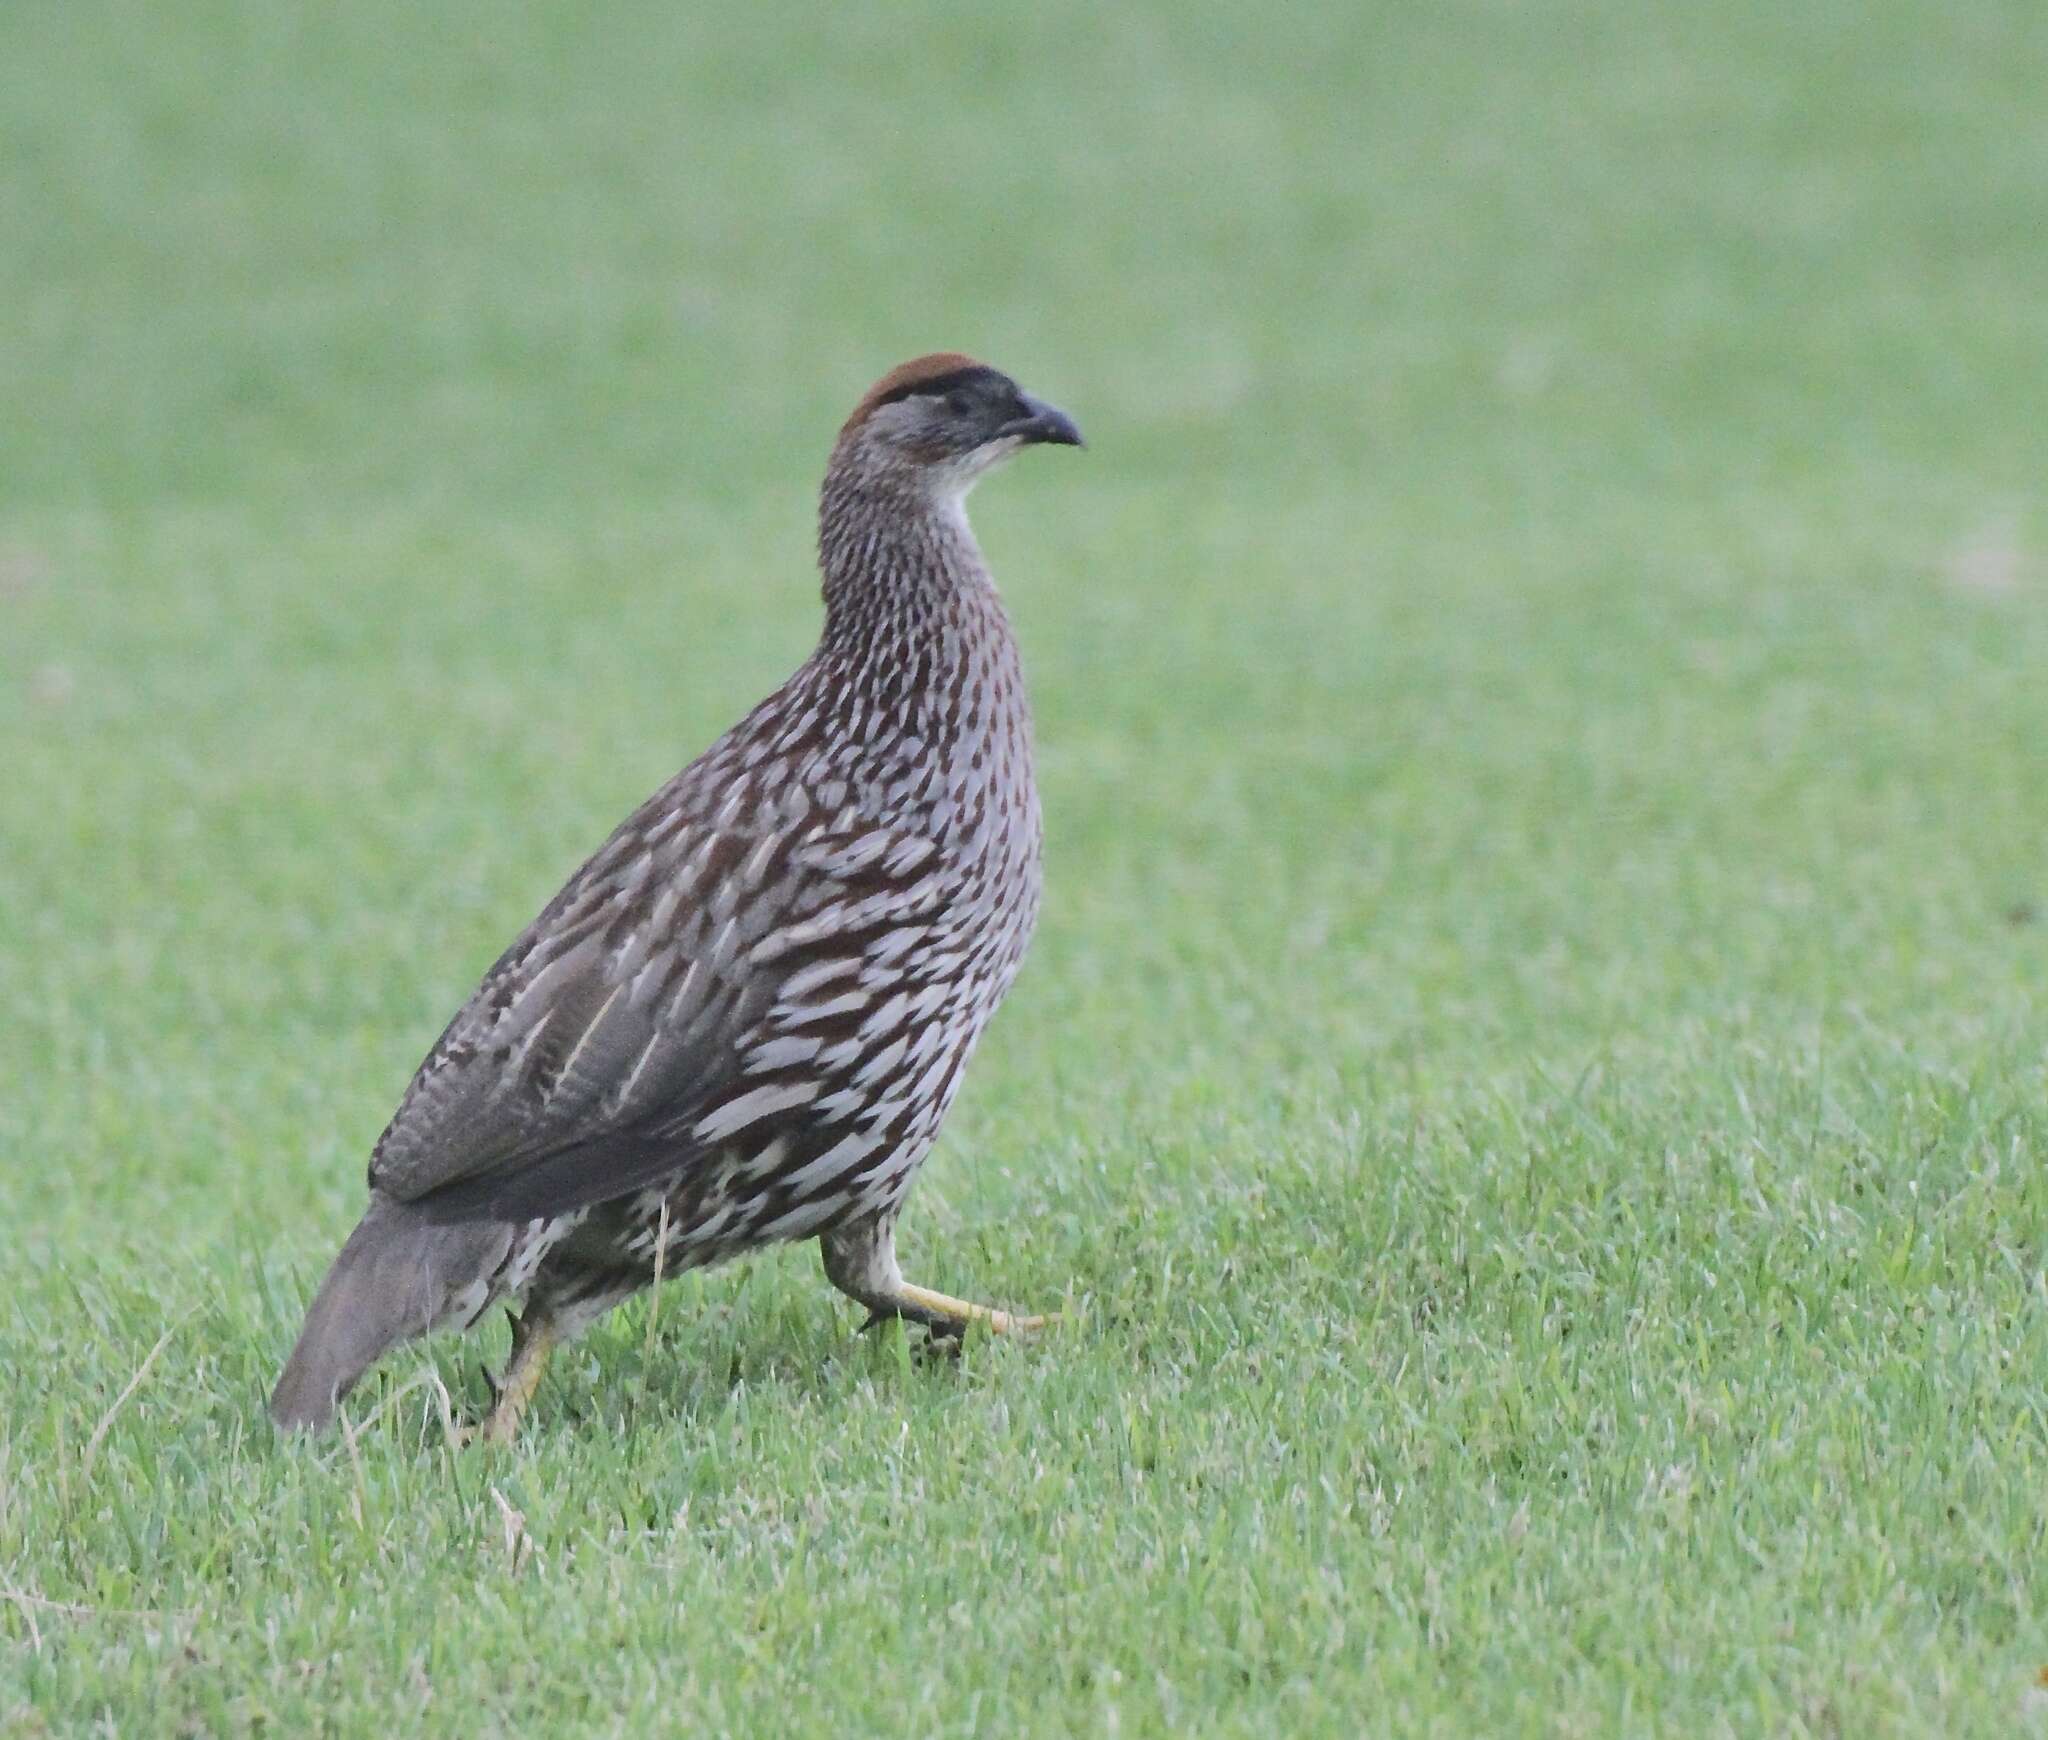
(511, 1394)
(946, 1317)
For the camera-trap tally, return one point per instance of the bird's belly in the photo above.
(807, 1176)
(855, 1148)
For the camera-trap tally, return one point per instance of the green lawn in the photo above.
(1533, 1082)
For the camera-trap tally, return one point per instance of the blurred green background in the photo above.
(1532, 1075)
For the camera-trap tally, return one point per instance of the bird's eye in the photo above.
(959, 403)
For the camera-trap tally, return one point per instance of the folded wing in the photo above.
(673, 1001)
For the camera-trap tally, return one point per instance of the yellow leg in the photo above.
(522, 1377)
(942, 1311)
(860, 1260)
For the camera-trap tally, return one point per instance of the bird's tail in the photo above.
(399, 1275)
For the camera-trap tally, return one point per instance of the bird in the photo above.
(741, 1022)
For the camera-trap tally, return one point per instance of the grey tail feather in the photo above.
(399, 1275)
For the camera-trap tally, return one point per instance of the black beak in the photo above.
(1042, 422)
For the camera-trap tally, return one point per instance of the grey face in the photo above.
(975, 415)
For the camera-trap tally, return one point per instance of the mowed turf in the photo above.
(1532, 1088)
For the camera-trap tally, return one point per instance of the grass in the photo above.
(1532, 1080)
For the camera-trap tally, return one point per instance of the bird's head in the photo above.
(938, 422)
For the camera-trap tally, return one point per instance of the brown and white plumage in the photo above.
(743, 1019)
